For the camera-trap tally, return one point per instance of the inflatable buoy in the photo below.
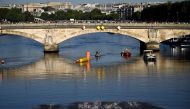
(84, 59)
(81, 60)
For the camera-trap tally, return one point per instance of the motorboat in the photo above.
(2, 61)
(148, 55)
(126, 53)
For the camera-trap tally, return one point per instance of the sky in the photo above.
(75, 2)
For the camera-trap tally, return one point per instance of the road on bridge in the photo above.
(94, 25)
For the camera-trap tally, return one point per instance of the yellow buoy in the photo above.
(84, 59)
(81, 60)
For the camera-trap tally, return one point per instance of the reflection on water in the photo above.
(18, 51)
(55, 79)
(175, 52)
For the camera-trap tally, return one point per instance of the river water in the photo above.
(30, 78)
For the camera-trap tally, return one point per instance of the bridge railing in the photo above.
(77, 25)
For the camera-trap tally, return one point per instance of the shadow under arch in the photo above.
(90, 34)
(112, 31)
(177, 41)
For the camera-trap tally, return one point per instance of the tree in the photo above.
(15, 15)
(173, 12)
(44, 16)
(28, 16)
(60, 15)
(3, 13)
(137, 16)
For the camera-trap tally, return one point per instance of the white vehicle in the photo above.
(72, 20)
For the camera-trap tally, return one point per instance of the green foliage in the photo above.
(168, 12)
(95, 14)
(3, 12)
(59, 15)
(44, 16)
(28, 16)
(137, 16)
(15, 15)
(112, 16)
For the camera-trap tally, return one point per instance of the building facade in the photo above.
(33, 7)
(125, 12)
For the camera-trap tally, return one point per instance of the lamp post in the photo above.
(177, 17)
(0, 30)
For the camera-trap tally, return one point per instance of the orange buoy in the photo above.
(88, 55)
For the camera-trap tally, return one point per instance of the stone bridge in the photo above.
(51, 35)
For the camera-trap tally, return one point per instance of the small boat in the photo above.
(2, 61)
(126, 53)
(97, 54)
(148, 55)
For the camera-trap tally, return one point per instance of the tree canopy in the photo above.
(168, 12)
(95, 14)
(15, 15)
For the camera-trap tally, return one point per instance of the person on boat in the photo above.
(97, 54)
(126, 53)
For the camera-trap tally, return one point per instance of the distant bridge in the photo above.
(52, 34)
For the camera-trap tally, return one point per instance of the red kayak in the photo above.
(2, 61)
(126, 53)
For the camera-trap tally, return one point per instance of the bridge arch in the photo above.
(130, 33)
(178, 37)
(70, 36)
(24, 34)
(167, 34)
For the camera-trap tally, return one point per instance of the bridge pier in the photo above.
(142, 47)
(153, 46)
(51, 48)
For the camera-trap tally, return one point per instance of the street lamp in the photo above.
(177, 17)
